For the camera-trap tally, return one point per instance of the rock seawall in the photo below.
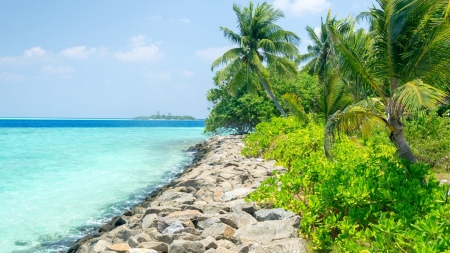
(203, 211)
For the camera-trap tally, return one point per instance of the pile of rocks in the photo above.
(203, 211)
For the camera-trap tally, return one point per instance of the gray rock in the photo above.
(268, 231)
(182, 246)
(161, 209)
(208, 223)
(253, 248)
(158, 246)
(149, 220)
(273, 214)
(293, 245)
(219, 231)
(236, 193)
(243, 219)
(99, 246)
(173, 228)
(141, 251)
(209, 243)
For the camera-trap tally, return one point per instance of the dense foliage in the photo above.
(364, 199)
(238, 113)
(429, 137)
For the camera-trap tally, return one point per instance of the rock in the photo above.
(99, 246)
(225, 244)
(236, 193)
(165, 222)
(83, 248)
(161, 209)
(122, 234)
(149, 220)
(158, 246)
(188, 214)
(141, 251)
(219, 231)
(182, 246)
(177, 198)
(208, 223)
(209, 243)
(173, 228)
(243, 219)
(188, 230)
(268, 231)
(210, 251)
(230, 220)
(254, 248)
(248, 207)
(134, 241)
(273, 214)
(293, 245)
(224, 250)
(120, 247)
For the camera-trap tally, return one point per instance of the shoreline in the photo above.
(202, 210)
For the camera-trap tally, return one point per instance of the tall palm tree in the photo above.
(320, 56)
(260, 43)
(406, 66)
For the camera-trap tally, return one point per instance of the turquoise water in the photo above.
(57, 183)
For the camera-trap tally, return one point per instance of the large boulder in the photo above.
(268, 231)
(219, 231)
(290, 245)
(99, 246)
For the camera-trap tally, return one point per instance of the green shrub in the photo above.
(429, 138)
(365, 199)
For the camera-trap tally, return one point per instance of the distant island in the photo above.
(165, 117)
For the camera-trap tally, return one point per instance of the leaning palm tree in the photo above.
(260, 43)
(406, 66)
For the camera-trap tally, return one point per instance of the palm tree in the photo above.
(406, 66)
(320, 54)
(260, 43)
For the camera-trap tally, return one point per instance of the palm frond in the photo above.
(227, 57)
(416, 95)
(353, 118)
(293, 102)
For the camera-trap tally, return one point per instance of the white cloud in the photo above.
(58, 70)
(162, 76)
(34, 51)
(79, 52)
(12, 78)
(140, 51)
(302, 7)
(185, 20)
(188, 73)
(212, 53)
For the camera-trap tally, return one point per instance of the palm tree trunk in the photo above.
(266, 87)
(399, 140)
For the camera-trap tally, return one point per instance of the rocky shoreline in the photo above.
(203, 210)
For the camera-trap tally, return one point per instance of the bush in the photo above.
(365, 199)
(429, 138)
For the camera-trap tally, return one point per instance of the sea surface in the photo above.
(61, 178)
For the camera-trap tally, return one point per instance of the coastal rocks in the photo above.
(203, 211)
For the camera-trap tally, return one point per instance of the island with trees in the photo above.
(169, 116)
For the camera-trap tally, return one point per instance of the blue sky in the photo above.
(121, 59)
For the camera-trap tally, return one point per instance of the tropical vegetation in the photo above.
(355, 189)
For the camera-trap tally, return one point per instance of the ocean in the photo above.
(61, 178)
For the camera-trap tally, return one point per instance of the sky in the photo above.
(122, 59)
